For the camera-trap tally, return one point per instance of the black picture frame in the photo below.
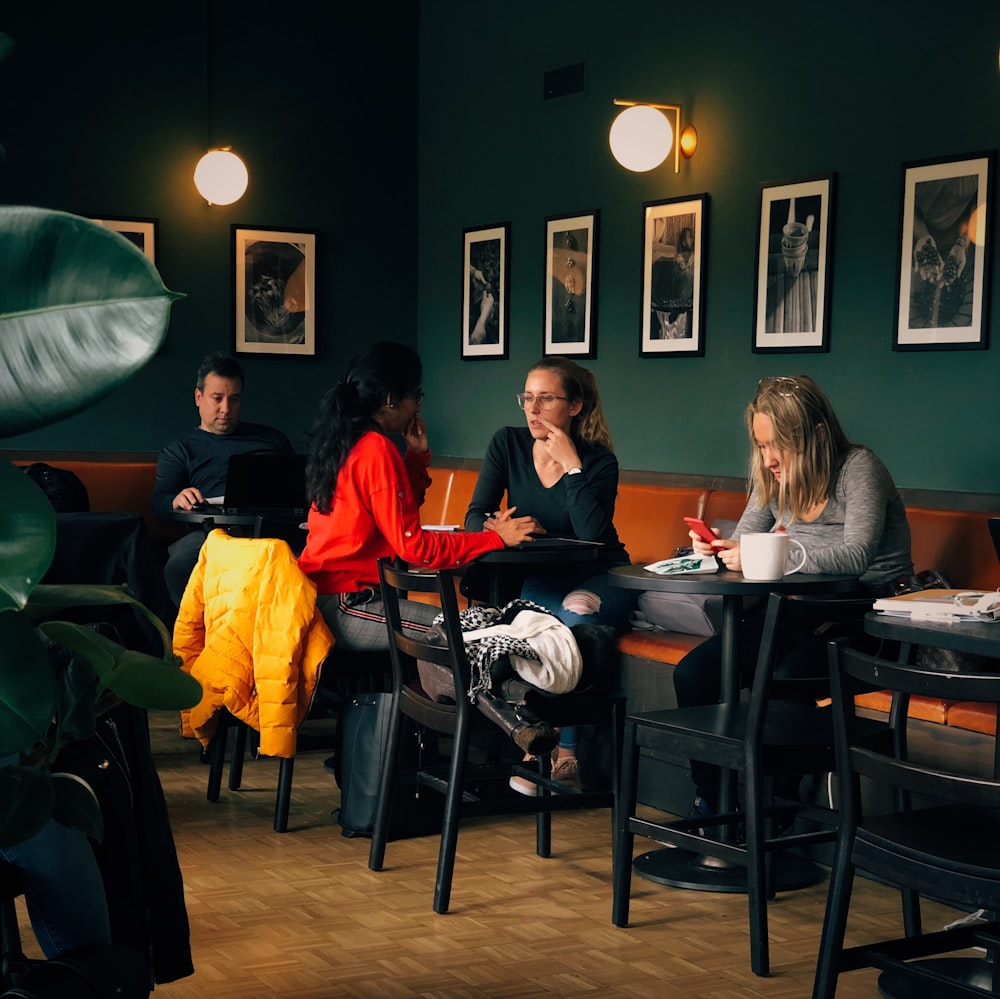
(674, 253)
(794, 263)
(142, 232)
(274, 291)
(946, 221)
(570, 303)
(486, 292)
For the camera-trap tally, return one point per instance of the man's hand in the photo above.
(187, 498)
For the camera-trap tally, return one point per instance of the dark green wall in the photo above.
(776, 92)
(103, 113)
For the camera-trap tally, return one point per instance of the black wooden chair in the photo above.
(941, 839)
(342, 675)
(480, 789)
(779, 732)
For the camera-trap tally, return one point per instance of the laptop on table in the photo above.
(270, 484)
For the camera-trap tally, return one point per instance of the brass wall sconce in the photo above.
(642, 135)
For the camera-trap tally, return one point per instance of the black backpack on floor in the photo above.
(363, 736)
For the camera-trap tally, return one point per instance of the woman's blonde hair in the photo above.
(805, 429)
(589, 425)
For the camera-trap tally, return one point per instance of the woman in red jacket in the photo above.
(365, 497)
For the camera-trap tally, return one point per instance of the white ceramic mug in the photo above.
(764, 556)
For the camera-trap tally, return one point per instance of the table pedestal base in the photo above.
(699, 872)
(967, 970)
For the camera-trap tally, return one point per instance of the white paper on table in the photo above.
(684, 563)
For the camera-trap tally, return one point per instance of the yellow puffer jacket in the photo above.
(248, 630)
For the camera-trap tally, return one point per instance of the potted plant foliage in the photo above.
(81, 310)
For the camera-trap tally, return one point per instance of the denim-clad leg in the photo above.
(63, 889)
(616, 602)
(549, 591)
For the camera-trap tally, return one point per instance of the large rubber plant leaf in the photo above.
(27, 685)
(27, 536)
(50, 599)
(81, 310)
(27, 800)
(135, 677)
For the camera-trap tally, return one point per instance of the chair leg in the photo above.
(449, 826)
(217, 756)
(11, 955)
(239, 753)
(281, 805)
(380, 826)
(617, 741)
(624, 838)
(831, 941)
(543, 820)
(758, 886)
(912, 922)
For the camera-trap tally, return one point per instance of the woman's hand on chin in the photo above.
(416, 435)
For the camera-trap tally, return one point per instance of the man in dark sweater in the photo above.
(192, 469)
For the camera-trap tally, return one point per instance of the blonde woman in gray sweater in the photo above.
(834, 497)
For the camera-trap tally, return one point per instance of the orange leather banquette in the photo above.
(114, 483)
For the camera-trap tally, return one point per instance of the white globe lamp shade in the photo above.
(641, 138)
(221, 177)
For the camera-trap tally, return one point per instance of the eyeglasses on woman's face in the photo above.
(546, 401)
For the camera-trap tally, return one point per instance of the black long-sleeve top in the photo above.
(577, 506)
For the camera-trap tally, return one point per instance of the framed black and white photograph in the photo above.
(673, 277)
(570, 308)
(794, 253)
(274, 282)
(485, 291)
(945, 223)
(140, 232)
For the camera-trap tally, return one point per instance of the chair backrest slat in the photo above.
(408, 647)
(948, 779)
(789, 621)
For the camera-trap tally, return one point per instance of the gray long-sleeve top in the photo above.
(861, 531)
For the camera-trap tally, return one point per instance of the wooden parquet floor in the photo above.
(300, 916)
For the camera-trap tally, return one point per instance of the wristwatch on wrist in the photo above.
(575, 471)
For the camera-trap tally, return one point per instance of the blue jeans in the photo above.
(63, 889)
(549, 590)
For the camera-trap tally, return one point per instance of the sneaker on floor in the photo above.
(566, 771)
(524, 786)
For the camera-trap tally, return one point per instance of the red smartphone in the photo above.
(701, 529)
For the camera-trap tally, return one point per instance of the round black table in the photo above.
(289, 527)
(682, 868)
(210, 519)
(976, 638)
(507, 565)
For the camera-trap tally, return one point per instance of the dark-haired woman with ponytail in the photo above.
(365, 497)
